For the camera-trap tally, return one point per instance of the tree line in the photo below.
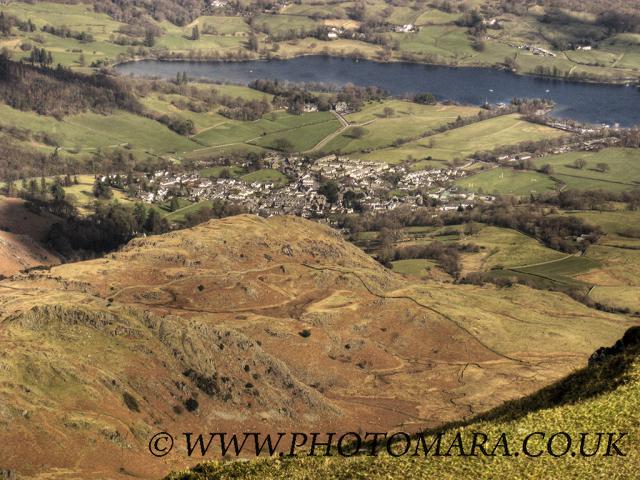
(111, 224)
(178, 12)
(447, 255)
(60, 91)
(7, 22)
(568, 234)
(66, 32)
(294, 96)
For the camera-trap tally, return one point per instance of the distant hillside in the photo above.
(179, 12)
(247, 324)
(541, 38)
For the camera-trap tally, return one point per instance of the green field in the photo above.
(615, 222)
(205, 153)
(235, 26)
(186, 207)
(86, 132)
(502, 252)
(444, 42)
(81, 195)
(407, 120)
(202, 120)
(89, 131)
(465, 141)
(301, 138)
(506, 181)
(78, 17)
(499, 247)
(618, 255)
(623, 169)
(277, 24)
(612, 266)
(178, 39)
(266, 175)
(432, 16)
(414, 267)
(303, 131)
(553, 275)
(509, 248)
(139, 132)
(557, 275)
(565, 267)
(233, 170)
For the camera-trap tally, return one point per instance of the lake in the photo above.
(592, 103)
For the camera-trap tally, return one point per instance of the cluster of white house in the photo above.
(375, 185)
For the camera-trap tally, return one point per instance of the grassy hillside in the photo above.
(442, 35)
(305, 326)
(301, 138)
(404, 120)
(610, 169)
(465, 141)
(617, 277)
(302, 131)
(89, 131)
(508, 248)
(68, 51)
(599, 398)
(382, 124)
(606, 274)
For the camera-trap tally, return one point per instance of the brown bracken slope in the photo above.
(265, 325)
(22, 236)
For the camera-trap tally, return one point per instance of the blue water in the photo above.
(592, 103)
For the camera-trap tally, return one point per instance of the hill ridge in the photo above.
(250, 324)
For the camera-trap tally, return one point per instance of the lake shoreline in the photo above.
(587, 103)
(631, 82)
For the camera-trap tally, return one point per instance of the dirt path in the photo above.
(344, 126)
(420, 304)
(318, 268)
(542, 263)
(615, 64)
(183, 279)
(228, 144)
(211, 127)
(327, 139)
(340, 118)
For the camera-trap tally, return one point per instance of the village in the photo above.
(316, 189)
(334, 184)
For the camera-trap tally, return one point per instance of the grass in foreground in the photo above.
(599, 398)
